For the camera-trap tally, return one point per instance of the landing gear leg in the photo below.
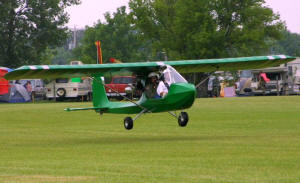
(128, 121)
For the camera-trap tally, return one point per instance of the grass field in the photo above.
(247, 140)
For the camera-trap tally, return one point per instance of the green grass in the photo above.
(247, 140)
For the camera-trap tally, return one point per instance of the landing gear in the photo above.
(128, 123)
(183, 119)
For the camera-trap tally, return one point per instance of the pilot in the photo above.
(151, 87)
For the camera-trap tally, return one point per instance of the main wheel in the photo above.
(183, 119)
(128, 123)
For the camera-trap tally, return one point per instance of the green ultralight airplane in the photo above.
(181, 94)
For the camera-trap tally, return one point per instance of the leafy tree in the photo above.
(118, 39)
(289, 44)
(29, 27)
(64, 54)
(246, 27)
(190, 29)
(61, 56)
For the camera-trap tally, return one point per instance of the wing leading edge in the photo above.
(183, 66)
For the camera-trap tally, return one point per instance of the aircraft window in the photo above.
(172, 76)
(62, 80)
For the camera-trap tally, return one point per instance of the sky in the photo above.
(90, 11)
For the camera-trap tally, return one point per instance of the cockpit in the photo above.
(170, 76)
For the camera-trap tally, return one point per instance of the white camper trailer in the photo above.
(284, 80)
(64, 88)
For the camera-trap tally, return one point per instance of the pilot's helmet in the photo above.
(153, 74)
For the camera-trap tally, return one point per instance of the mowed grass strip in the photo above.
(255, 139)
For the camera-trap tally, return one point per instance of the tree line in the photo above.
(150, 30)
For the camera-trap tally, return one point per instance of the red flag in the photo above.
(99, 52)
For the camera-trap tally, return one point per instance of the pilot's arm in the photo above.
(162, 90)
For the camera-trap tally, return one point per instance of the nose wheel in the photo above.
(183, 119)
(128, 123)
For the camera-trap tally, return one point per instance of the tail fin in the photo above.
(100, 99)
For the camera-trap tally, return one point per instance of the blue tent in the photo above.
(12, 93)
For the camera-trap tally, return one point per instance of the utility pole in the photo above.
(74, 37)
(165, 55)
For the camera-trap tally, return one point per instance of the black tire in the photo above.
(61, 92)
(128, 123)
(183, 119)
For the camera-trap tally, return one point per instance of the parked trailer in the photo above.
(66, 88)
(284, 80)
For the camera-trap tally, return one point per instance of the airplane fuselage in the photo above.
(180, 96)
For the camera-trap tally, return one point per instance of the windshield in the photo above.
(172, 76)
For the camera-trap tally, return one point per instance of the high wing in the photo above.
(142, 68)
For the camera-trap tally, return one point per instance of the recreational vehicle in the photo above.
(282, 80)
(64, 88)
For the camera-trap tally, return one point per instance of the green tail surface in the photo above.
(100, 99)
